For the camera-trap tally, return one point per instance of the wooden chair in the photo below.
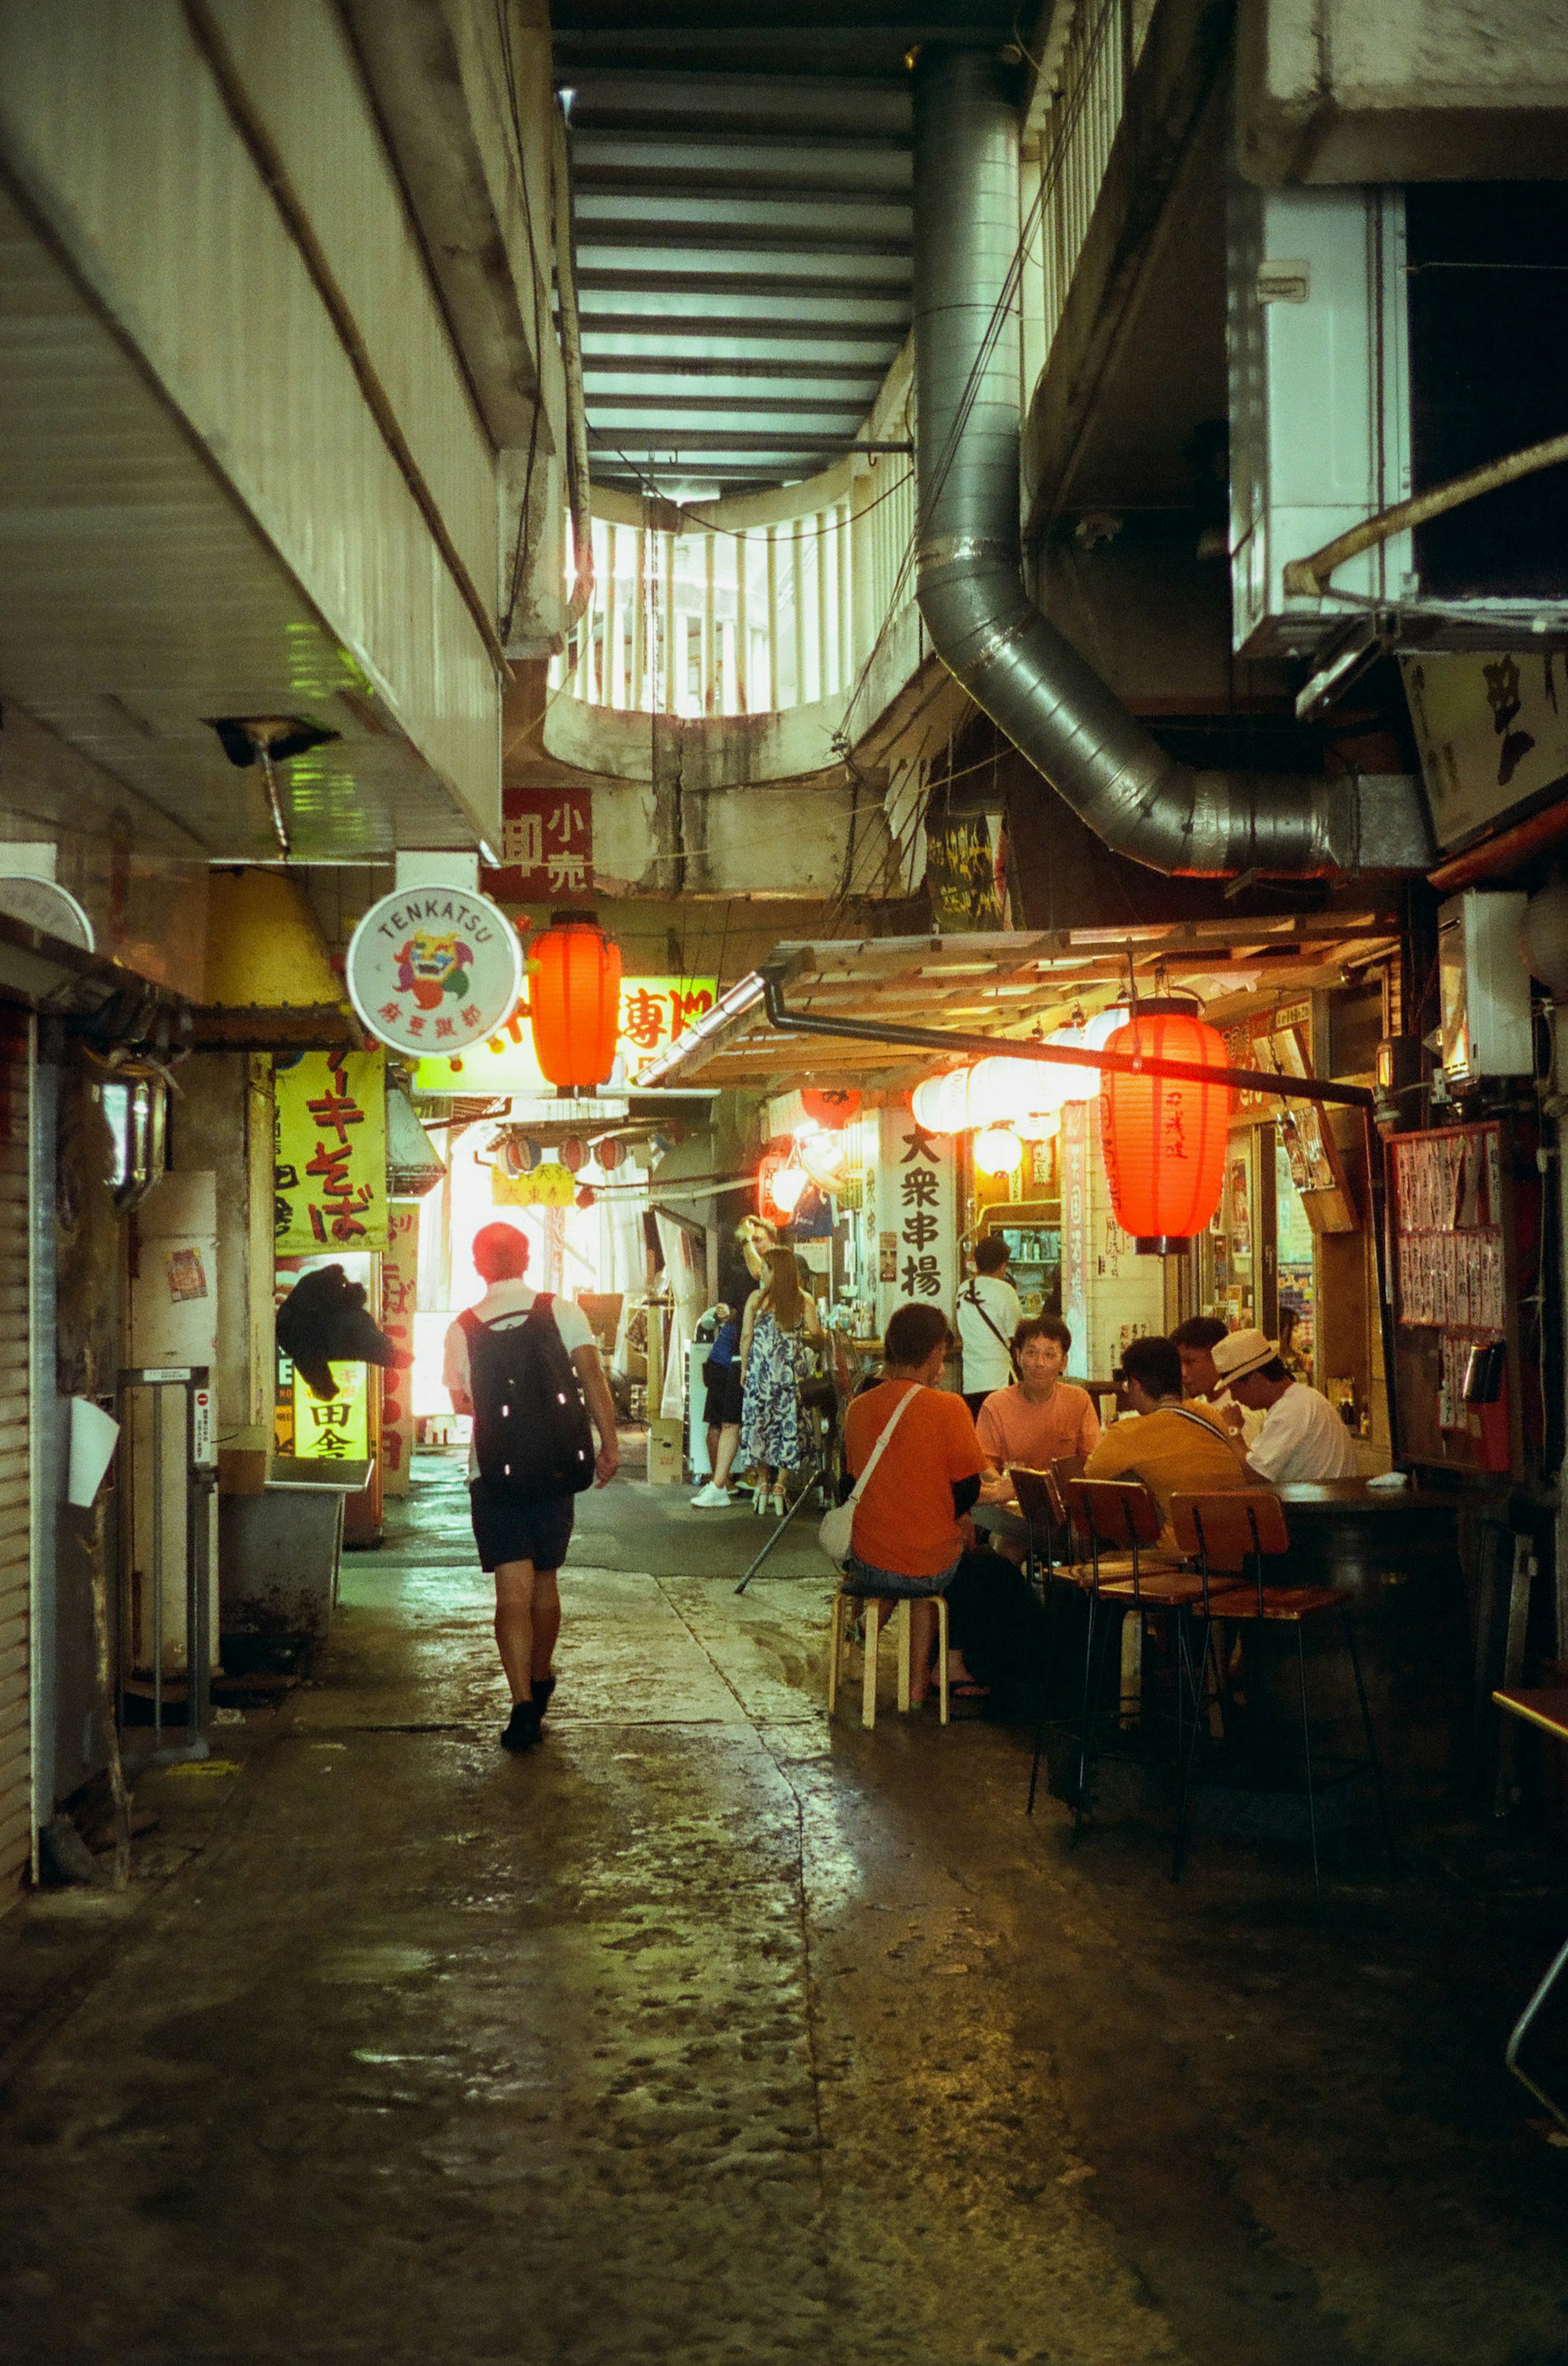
(845, 1604)
(1128, 1570)
(1231, 1535)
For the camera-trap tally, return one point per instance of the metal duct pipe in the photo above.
(1014, 664)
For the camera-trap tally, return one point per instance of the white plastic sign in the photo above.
(432, 969)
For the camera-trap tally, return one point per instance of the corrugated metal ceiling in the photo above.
(743, 227)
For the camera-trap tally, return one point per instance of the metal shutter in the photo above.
(16, 1587)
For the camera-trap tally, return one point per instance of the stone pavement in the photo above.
(707, 2033)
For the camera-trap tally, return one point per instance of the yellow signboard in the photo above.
(338, 1431)
(331, 1153)
(549, 1186)
(653, 1011)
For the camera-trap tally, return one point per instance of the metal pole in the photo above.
(157, 1401)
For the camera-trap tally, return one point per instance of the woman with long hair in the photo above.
(779, 1320)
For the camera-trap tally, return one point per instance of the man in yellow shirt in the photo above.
(1174, 1448)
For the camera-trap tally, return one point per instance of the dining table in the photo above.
(1546, 1708)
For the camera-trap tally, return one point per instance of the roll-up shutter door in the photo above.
(15, 1589)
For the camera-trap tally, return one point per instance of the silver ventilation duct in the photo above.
(1016, 666)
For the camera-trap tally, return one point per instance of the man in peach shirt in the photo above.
(1044, 1420)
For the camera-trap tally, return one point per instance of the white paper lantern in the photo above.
(998, 1150)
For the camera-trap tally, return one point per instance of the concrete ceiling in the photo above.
(136, 598)
(744, 227)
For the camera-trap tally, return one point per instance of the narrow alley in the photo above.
(707, 2032)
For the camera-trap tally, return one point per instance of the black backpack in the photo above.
(531, 1432)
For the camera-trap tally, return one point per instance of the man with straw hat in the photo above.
(1302, 1436)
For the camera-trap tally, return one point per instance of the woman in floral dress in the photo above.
(779, 1320)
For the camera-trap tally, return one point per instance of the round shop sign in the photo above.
(432, 970)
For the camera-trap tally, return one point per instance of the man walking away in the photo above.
(522, 1523)
(989, 1314)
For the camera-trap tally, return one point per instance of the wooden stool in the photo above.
(844, 1607)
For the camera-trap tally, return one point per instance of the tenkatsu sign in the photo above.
(433, 969)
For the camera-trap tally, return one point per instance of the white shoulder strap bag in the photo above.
(836, 1530)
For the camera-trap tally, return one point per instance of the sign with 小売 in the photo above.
(546, 844)
(329, 1134)
(433, 969)
(653, 1011)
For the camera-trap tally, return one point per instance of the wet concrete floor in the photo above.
(709, 2034)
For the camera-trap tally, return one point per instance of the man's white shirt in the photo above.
(986, 1364)
(1303, 1438)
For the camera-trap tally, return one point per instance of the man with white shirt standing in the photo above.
(1303, 1437)
(523, 1538)
(988, 1314)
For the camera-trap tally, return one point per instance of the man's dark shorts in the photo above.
(516, 1527)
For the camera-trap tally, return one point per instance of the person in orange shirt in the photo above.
(907, 1539)
(1044, 1420)
(1174, 1448)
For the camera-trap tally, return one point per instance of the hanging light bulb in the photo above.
(788, 1185)
(998, 1150)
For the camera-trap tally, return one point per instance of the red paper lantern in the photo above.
(574, 1001)
(1163, 1138)
(586, 1196)
(831, 1105)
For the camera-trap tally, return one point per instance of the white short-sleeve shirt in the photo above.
(986, 1364)
(1303, 1438)
(514, 1299)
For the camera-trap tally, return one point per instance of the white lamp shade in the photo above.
(1051, 1087)
(823, 1154)
(1003, 1089)
(998, 1150)
(926, 1103)
(955, 1102)
(787, 1186)
(1099, 1031)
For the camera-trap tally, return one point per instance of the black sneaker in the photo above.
(522, 1730)
(543, 1687)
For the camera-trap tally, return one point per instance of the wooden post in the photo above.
(709, 665)
(640, 624)
(612, 627)
(667, 546)
(798, 586)
(743, 644)
(775, 697)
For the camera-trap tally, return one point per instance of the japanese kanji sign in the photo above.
(331, 1153)
(653, 1011)
(546, 845)
(433, 969)
(338, 1431)
(915, 1207)
(399, 1289)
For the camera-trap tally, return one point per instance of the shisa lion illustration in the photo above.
(435, 966)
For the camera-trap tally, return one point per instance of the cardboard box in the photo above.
(663, 1453)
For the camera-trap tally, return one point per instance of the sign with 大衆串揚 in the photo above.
(329, 1135)
(433, 969)
(653, 1011)
(916, 1209)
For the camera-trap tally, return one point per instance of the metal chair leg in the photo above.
(1306, 1752)
(1372, 1759)
(1083, 1722)
(1184, 1759)
(1521, 2030)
